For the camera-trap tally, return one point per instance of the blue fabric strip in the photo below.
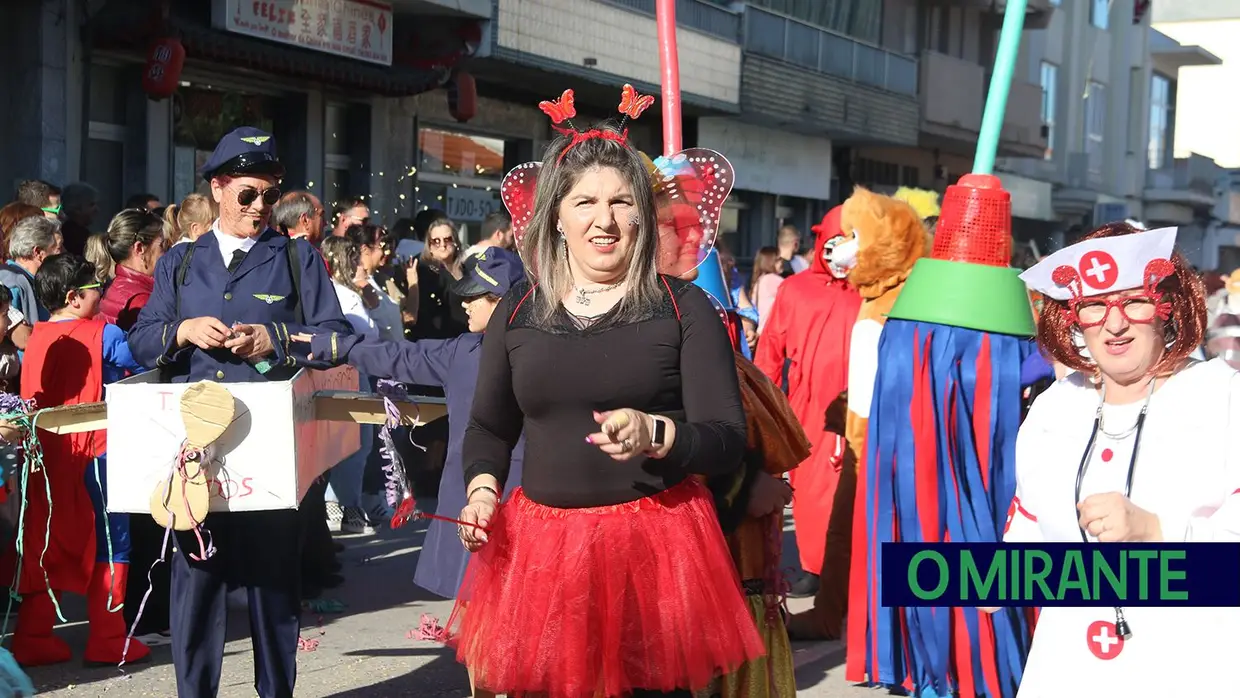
(977, 514)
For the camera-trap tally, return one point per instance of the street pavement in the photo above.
(366, 651)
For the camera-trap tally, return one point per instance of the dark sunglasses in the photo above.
(249, 195)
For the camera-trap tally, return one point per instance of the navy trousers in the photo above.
(260, 552)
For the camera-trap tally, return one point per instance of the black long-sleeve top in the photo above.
(548, 380)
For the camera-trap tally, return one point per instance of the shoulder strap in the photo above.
(517, 306)
(181, 275)
(294, 265)
(671, 295)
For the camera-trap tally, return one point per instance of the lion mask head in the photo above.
(884, 238)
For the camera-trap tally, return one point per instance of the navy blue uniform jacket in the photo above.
(452, 364)
(259, 292)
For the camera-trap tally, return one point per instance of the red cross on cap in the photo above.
(1098, 269)
(1103, 641)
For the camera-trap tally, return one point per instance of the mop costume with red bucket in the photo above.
(600, 577)
(941, 449)
(810, 325)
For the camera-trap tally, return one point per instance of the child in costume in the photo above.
(940, 450)
(809, 327)
(453, 365)
(68, 360)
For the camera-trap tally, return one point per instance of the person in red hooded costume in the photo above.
(809, 328)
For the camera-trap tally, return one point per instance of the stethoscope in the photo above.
(1121, 625)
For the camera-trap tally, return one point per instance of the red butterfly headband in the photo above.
(631, 106)
(690, 187)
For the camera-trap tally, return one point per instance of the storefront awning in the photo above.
(127, 26)
(211, 44)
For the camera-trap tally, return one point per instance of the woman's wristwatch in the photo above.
(488, 488)
(658, 434)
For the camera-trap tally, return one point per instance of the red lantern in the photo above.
(462, 97)
(163, 68)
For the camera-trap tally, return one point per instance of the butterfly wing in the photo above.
(693, 186)
(517, 193)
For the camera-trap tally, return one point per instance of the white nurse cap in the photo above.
(1104, 265)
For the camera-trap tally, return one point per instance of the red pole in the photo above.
(669, 62)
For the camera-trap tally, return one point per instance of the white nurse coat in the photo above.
(1188, 473)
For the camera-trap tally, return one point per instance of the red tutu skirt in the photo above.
(597, 602)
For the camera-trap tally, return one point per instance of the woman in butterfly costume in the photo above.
(1149, 437)
(605, 574)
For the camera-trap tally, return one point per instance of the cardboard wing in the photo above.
(284, 435)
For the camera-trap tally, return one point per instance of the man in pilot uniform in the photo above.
(223, 309)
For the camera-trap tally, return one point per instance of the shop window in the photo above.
(459, 154)
(460, 174)
(201, 116)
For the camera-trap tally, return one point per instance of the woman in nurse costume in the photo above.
(1140, 444)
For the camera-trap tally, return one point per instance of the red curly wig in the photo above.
(1183, 289)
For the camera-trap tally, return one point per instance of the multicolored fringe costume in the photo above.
(941, 449)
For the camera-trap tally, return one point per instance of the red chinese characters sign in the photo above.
(358, 29)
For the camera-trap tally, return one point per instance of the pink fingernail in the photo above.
(589, 441)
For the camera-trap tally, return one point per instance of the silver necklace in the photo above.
(584, 294)
(1123, 433)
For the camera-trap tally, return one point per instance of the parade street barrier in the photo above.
(285, 435)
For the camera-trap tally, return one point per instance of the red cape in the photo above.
(811, 325)
(63, 365)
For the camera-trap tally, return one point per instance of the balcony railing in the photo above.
(706, 16)
(784, 38)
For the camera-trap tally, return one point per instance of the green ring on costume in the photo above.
(971, 296)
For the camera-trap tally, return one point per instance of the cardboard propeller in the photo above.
(183, 499)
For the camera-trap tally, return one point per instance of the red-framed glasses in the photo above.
(1093, 312)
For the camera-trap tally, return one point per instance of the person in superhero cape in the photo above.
(70, 542)
(809, 328)
(941, 448)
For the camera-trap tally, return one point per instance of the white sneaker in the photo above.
(335, 516)
(354, 521)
